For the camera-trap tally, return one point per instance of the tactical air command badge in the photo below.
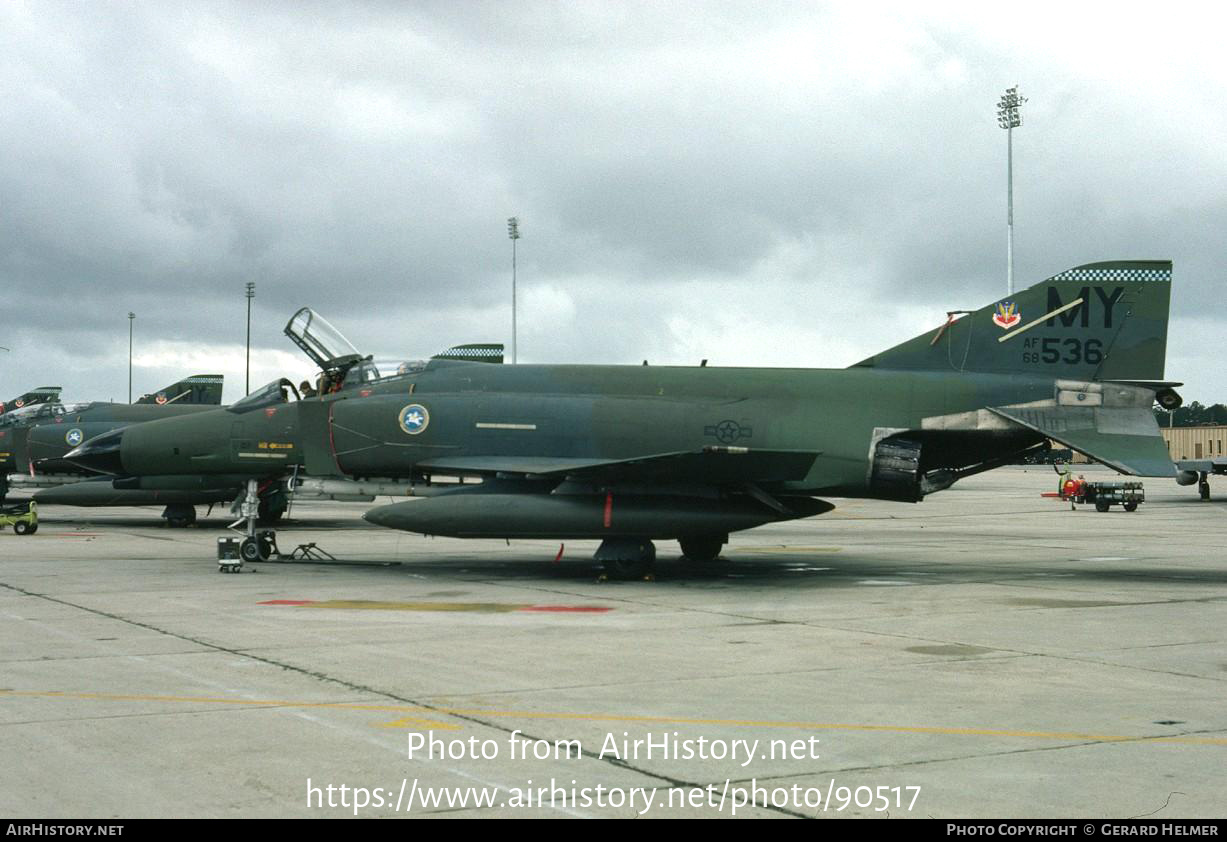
(1007, 315)
(74, 437)
(160, 399)
(414, 418)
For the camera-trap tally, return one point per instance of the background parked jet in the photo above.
(40, 395)
(342, 369)
(37, 435)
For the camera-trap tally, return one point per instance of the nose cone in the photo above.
(407, 516)
(383, 516)
(100, 454)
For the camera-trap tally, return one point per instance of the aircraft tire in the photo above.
(629, 569)
(249, 550)
(701, 547)
(630, 560)
(179, 515)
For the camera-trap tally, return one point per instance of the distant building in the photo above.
(1195, 442)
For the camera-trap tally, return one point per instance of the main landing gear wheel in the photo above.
(627, 558)
(179, 515)
(1203, 486)
(702, 547)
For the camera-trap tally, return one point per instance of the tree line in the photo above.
(1192, 414)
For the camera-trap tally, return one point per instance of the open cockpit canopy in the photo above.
(320, 341)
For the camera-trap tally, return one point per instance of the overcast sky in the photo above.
(754, 183)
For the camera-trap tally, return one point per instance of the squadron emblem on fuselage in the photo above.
(1007, 315)
(414, 419)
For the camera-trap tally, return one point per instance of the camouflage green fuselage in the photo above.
(477, 412)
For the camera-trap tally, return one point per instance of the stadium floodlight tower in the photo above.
(131, 319)
(513, 231)
(1009, 117)
(251, 293)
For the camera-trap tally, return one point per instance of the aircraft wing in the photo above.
(710, 465)
(1126, 439)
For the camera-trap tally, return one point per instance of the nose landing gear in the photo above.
(258, 544)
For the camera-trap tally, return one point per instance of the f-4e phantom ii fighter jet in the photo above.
(34, 437)
(633, 454)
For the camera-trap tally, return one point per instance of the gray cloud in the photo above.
(754, 184)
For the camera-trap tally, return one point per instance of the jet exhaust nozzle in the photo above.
(1187, 477)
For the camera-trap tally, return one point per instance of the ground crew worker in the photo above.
(1063, 476)
(1069, 490)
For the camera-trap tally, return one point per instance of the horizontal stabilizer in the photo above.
(710, 465)
(1126, 438)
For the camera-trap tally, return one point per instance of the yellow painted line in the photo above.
(419, 724)
(626, 718)
(258, 703)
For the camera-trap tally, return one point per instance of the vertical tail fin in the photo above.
(42, 394)
(1101, 321)
(203, 389)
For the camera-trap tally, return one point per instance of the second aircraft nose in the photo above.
(100, 454)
